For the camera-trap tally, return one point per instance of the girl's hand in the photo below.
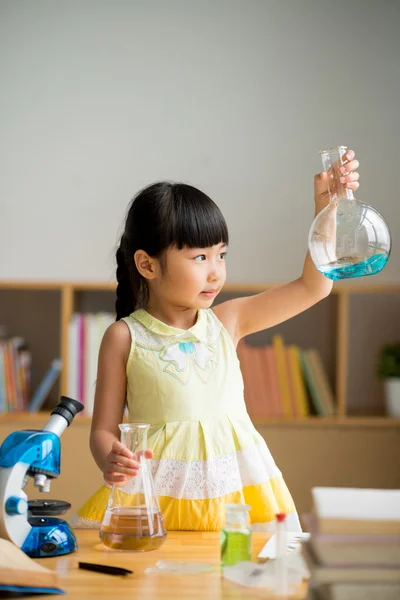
(121, 465)
(349, 178)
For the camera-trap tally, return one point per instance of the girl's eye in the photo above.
(222, 255)
(200, 258)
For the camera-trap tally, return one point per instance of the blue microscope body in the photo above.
(35, 454)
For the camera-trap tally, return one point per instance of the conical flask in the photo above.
(133, 519)
(348, 238)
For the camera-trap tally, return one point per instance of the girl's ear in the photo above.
(145, 264)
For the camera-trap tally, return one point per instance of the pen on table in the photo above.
(109, 570)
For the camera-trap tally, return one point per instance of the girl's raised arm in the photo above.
(243, 316)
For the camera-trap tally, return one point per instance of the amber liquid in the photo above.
(132, 528)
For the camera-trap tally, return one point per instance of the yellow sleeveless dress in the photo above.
(188, 386)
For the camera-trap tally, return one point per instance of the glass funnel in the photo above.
(348, 238)
(133, 519)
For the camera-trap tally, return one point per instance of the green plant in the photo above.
(389, 361)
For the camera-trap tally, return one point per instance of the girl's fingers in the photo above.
(118, 448)
(146, 453)
(115, 468)
(117, 459)
(350, 178)
(353, 186)
(350, 154)
(350, 166)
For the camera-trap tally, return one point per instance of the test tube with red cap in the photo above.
(281, 566)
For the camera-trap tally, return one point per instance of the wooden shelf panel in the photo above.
(91, 301)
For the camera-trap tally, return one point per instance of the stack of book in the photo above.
(353, 552)
(284, 381)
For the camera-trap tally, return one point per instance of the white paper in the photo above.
(356, 503)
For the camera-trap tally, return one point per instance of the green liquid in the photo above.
(235, 547)
(348, 268)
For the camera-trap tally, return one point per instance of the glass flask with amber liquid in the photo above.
(348, 238)
(133, 519)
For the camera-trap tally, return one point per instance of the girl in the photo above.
(171, 359)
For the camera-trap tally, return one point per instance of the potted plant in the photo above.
(389, 371)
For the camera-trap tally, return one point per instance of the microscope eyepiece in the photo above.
(62, 415)
(67, 408)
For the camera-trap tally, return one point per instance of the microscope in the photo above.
(36, 454)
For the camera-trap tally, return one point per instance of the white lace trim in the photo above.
(143, 336)
(219, 476)
(77, 522)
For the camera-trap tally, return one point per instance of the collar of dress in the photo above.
(199, 329)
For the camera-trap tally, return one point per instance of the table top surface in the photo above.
(179, 546)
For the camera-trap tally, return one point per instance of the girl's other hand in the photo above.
(121, 465)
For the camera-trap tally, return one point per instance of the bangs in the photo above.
(193, 220)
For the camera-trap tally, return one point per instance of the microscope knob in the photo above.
(16, 506)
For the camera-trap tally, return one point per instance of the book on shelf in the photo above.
(85, 331)
(269, 379)
(260, 378)
(15, 374)
(284, 381)
(321, 391)
(296, 381)
(20, 574)
(45, 386)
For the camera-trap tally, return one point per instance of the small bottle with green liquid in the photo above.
(236, 535)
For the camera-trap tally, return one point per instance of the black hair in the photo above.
(160, 216)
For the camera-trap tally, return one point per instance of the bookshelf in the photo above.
(359, 447)
(347, 328)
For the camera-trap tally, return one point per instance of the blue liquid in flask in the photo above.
(347, 270)
(348, 238)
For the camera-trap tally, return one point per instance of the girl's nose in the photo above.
(214, 273)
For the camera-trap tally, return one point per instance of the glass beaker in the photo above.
(236, 535)
(133, 519)
(348, 238)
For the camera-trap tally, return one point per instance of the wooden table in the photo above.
(190, 546)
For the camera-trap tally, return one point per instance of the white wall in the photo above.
(100, 97)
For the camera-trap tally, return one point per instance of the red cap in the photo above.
(280, 517)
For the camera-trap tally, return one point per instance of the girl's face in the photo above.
(192, 277)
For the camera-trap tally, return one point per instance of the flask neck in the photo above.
(134, 437)
(332, 160)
